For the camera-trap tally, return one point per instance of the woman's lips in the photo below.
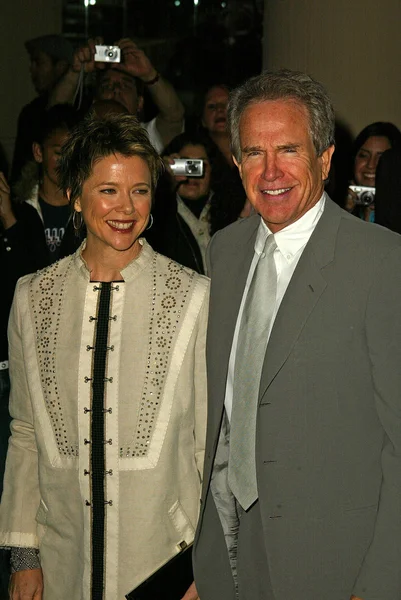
(121, 226)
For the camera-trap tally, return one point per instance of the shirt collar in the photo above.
(293, 237)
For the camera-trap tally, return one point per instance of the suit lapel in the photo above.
(303, 292)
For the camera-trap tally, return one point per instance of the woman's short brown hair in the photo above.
(93, 139)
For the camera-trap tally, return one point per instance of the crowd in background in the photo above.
(37, 224)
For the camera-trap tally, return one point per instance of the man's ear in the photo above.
(326, 161)
(37, 152)
(238, 165)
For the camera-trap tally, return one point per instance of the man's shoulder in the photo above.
(237, 232)
(356, 232)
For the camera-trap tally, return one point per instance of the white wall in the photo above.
(20, 20)
(352, 46)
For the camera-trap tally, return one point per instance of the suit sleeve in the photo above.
(380, 575)
(20, 500)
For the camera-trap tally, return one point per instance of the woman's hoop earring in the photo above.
(77, 215)
(151, 221)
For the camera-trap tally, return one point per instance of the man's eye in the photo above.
(211, 106)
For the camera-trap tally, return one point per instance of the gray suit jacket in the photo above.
(328, 439)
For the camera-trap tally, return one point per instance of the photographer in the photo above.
(368, 147)
(125, 82)
(203, 204)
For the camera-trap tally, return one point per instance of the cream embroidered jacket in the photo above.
(154, 424)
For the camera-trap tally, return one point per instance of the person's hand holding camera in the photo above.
(175, 179)
(84, 57)
(350, 200)
(135, 61)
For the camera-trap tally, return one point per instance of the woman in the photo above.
(368, 147)
(108, 388)
(201, 205)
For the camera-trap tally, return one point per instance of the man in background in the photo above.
(125, 82)
(50, 56)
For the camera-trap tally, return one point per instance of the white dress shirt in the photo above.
(291, 242)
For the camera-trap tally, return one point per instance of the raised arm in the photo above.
(84, 58)
(170, 120)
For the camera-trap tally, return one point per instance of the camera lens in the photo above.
(110, 54)
(192, 168)
(367, 198)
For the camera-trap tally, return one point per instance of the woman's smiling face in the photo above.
(115, 204)
(367, 159)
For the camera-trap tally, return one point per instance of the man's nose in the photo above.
(271, 170)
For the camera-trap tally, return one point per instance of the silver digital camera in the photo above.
(187, 167)
(108, 54)
(365, 194)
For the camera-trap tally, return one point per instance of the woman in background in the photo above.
(368, 147)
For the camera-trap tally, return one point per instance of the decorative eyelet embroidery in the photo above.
(170, 293)
(46, 294)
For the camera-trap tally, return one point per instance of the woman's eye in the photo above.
(108, 191)
(141, 191)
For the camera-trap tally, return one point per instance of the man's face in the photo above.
(214, 117)
(44, 71)
(281, 173)
(116, 85)
(194, 188)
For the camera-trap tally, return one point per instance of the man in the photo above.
(302, 481)
(50, 57)
(124, 82)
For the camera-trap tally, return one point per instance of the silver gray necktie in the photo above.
(251, 348)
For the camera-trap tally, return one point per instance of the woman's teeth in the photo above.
(119, 225)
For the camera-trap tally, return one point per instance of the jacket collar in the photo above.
(130, 271)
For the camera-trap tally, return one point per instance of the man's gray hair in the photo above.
(284, 85)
